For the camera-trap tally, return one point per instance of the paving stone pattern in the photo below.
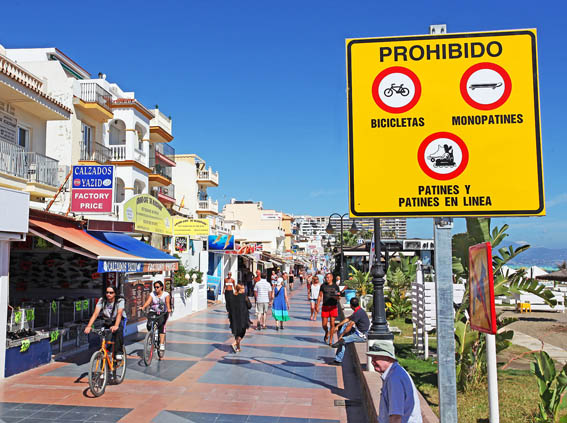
(278, 377)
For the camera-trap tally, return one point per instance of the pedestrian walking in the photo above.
(228, 291)
(291, 279)
(263, 294)
(352, 329)
(329, 298)
(313, 291)
(280, 305)
(399, 401)
(238, 315)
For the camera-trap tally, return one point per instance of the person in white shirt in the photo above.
(161, 304)
(263, 294)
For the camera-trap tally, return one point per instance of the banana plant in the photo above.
(551, 384)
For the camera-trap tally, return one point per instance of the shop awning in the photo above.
(114, 254)
(154, 260)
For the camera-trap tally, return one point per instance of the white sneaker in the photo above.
(162, 347)
(119, 357)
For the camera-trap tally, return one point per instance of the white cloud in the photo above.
(326, 193)
(559, 199)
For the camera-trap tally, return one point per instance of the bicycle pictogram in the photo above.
(398, 89)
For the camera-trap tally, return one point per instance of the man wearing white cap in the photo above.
(399, 401)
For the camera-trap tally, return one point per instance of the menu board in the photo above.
(136, 293)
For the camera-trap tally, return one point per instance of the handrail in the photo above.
(42, 169)
(92, 92)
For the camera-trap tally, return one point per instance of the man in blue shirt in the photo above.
(399, 401)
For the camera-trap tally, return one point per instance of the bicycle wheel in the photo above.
(120, 369)
(161, 352)
(149, 348)
(98, 374)
(404, 91)
(388, 92)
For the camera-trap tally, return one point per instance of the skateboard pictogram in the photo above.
(443, 156)
(486, 86)
(396, 89)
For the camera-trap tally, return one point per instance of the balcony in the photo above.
(119, 153)
(131, 103)
(99, 153)
(160, 127)
(165, 194)
(165, 153)
(12, 165)
(18, 85)
(93, 100)
(42, 174)
(161, 165)
(208, 178)
(207, 207)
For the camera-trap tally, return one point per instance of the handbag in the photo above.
(248, 302)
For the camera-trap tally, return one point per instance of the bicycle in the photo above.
(398, 89)
(101, 365)
(152, 341)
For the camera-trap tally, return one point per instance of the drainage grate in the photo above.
(347, 403)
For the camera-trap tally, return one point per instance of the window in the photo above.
(24, 138)
(87, 142)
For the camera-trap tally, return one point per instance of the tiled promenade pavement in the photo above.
(279, 377)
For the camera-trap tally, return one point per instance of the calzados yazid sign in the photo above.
(445, 125)
(92, 189)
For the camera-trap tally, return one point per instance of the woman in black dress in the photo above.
(238, 316)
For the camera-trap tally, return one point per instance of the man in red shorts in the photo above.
(329, 296)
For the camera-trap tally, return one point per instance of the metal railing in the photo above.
(12, 159)
(91, 92)
(209, 175)
(42, 169)
(208, 205)
(168, 191)
(100, 154)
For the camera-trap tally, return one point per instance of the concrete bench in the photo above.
(372, 385)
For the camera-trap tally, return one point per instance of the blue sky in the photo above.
(257, 88)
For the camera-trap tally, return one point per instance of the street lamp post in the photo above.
(379, 328)
(353, 229)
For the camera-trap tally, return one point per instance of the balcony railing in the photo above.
(11, 69)
(42, 169)
(91, 92)
(12, 159)
(165, 171)
(99, 154)
(209, 175)
(208, 206)
(118, 152)
(168, 191)
(167, 150)
(161, 120)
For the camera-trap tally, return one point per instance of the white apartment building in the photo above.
(258, 225)
(192, 178)
(107, 126)
(27, 108)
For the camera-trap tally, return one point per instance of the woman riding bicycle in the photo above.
(160, 304)
(114, 317)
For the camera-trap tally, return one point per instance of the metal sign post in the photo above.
(447, 379)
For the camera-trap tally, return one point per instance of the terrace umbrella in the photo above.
(559, 276)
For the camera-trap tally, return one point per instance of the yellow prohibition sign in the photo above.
(445, 125)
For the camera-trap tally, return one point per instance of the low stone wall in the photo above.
(371, 385)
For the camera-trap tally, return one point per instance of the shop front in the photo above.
(57, 276)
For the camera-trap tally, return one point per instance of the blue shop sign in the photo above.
(86, 177)
(105, 266)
